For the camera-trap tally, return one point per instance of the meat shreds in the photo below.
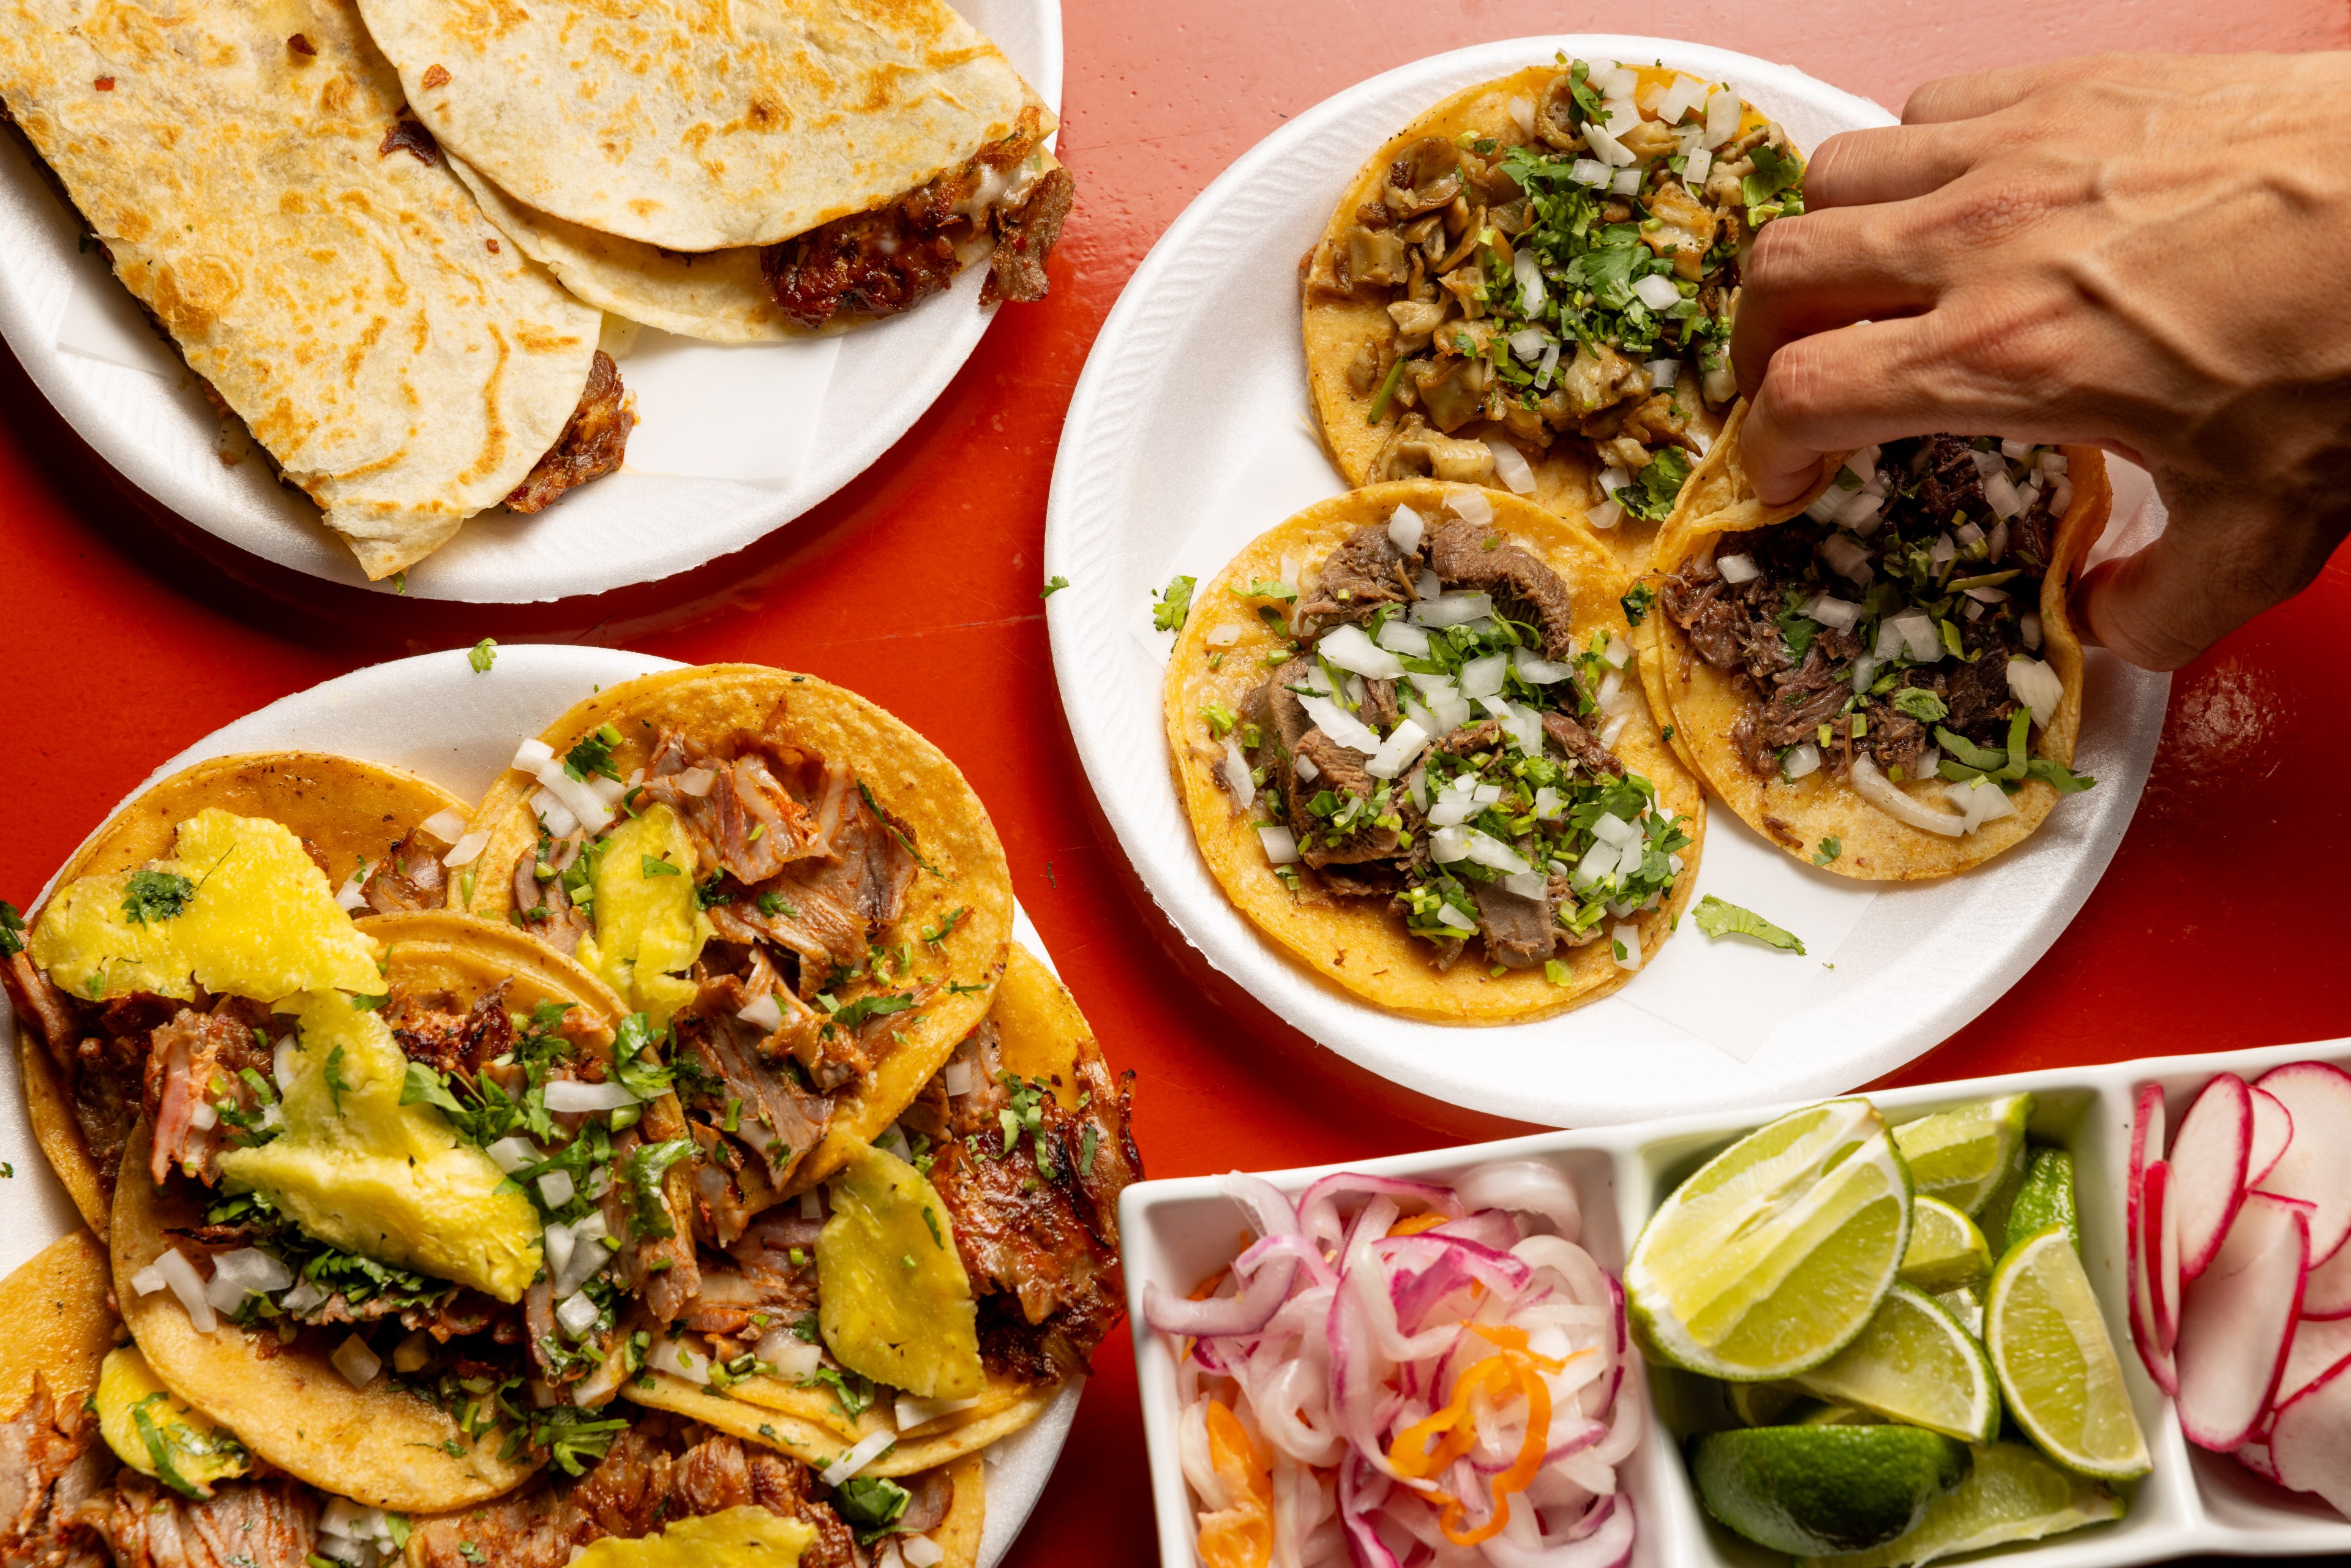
(762, 805)
(662, 1268)
(774, 1115)
(244, 1524)
(1465, 555)
(53, 1475)
(1365, 572)
(758, 1280)
(410, 878)
(193, 1061)
(429, 1029)
(1573, 740)
(99, 1053)
(1025, 236)
(594, 441)
(826, 909)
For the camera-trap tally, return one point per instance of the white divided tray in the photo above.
(1180, 1231)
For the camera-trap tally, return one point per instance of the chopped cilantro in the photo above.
(1267, 588)
(1636, 602)
(1717, 918)
(1651, 496)
(774, 904)
(655, 867)
(1054, 585)
(1172, 605)
(593, 755)
(1776, 174)
(853, 1392)
(1220, 719)
(2058, 776)
(484, 655)
(880, 1005)
(155, 895)
(1830, 850)
(646, 1165)
(12, 930)
(871, 1505)
(336, 1085)
(1920, 703)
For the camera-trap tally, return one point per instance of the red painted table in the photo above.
(2218, 925)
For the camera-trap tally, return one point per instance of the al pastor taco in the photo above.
(1001, 1181)
(1882, 678)
(1531, 288)
(374, 834)
(800, 889)
(1405, 730)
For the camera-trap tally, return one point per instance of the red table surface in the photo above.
(2219, 924)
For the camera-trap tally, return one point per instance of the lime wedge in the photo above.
(1763, 1404)
(1913, 1364)
(1966, 1303)
(2045, 1199)
(1840, 1415)
(1814, 1490)
(2013, 1494)
(1774, 1255)
(1945, 1252)
(2057, 1368)
(1960, 1156)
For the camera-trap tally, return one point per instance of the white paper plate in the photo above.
(731, 443)
(435, 716)
(1192, 433)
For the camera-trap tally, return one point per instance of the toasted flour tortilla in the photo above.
(1359, 947)
(1704, 703)
(352, 305)
(696, 128)
(961, 864)
(348, 809)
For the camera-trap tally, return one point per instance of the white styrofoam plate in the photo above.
(1180, 1231)
(1192, 432)
(435, 716)
(732, 441)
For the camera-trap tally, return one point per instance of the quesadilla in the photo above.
(250, 174)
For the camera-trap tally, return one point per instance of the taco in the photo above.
(100, 1461)
(1882, 678)
(376, 833)
(1531, 288)
(800, 890)
(1403, 724)
(817, 1340)
(257, 185)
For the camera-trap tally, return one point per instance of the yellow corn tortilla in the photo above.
(348, 809)
(1352, 944)
(962, 862)
(807, 1425)
(59, 1326)
(696, 128)
(1703, 703)
(1336, 324)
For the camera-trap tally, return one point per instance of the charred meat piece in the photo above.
(430, 1029)
(410, 878)
(1025, 236)
(1363, 572)
(751, 807)
(827, 908)
(758, 1280)
(545, 907)
(594, 441)
(1340, 771)
(1460, 557)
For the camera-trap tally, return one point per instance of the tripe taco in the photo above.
(819, 1341)
(1531, 288)
(1882, 678)
(1405, 729)
(375, 834)
(804, 892)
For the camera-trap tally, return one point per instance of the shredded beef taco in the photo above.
(1001, 1182)
(1883, 677)
(1531, 288)
(1406, 732)
(801, 891)
(374, 835)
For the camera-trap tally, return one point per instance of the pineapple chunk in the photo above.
(739, 1536)
(893, 1300)
(648, 931)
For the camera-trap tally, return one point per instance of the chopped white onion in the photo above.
(1800, 762)
(1697, 166)
(1988, 595)
(1942, 552)
(1628, 183)
(914, 1412)
(1607, 515)
(857, 1458)
(1482, 676)
(1397, 637)
(1529, 342)
(446, 824)
(1549, 804)
(281, 1065)
(1443, 610)
(247, 1272)
(467, 849)
(794, 1359)
(1339, 724)
(1280, 845)
(302, 1297)
(513, 1152)
(1981, 801)
(356, 1361)
(555, 1186)
(2037, 687)
(1738, 568)
(763, 1012)
(1849, 558)
(2001, 492)
(921, 1550)
(1864, 669)
(1406, 527)
(1618, 653)
(148, 1280)
(1448, 916)
(1522, 114)
(1988, 463)
(1346, 647)
(1538, 671)
(1887, 797)
(1627, 937)
(1655, 291)
(571, 1096)
(2061, 497)
(2028, 626)
(1914, 629)
(1722, 111)
(1511, 465)
(553, 814)
(1612, 154)
(1550, 365)
(348, 896)
(1533, 292)
(1828, 505)
(577, 1313)
(556, 1244)
(1236, 770)
(588, 1256)
(1663, 374)
(2013, 450)
(533, 754)
(1827, 608)
(1590, 172)
(1526, 884)
(1402, 744)
(668, 1355)
(1306, 769)
(1470, 503)
(204, 1117)
(1615, 831)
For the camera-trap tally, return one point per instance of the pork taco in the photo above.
(375, 835)
(1882, 678)
(798, 889)
(1531, 288)
(100, 1461)
(1001, 1182)
(1406, 731)
(255, 178)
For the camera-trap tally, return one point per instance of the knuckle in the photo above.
(1799, 382)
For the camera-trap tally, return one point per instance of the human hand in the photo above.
(2149, 253)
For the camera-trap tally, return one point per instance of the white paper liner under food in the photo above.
(437, 716)
(732, 441)
(1192, 433)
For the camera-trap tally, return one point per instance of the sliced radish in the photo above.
(2320, 1345)
(2236, 1322)
(2147, 1130)
(2316, 1165)
(2162, 1239)
(2310, 1443)
(2255, 1456)
(2208, 1168)
(2144, 1333)
(2272, 1131)
(2328, 1294)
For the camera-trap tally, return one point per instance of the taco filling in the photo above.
(1438, 742)
(1572, 279)
(1892, 632)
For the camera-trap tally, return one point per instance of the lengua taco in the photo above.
(375, 834)
(801, 891)
(101, 1461)
(821, 1343)
(1405, 729)
(1882, 678)
(1531, 288)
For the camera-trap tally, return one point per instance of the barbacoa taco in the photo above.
(1405, 729)
(1000, 1184)
(797, 887)
(101, 1461)
(1882, 678)
(1531, 288)
(375, 835)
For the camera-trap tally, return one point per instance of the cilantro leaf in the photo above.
(1968, 754)
(1775, 171)
(871, 1504)
(426, 1087)
(874, 1007)
(593, 755)
(1717, 918)
(773, 904)
(1920, 703)
(647, 1164)
(484, 655)
(2058, 776)
(336, 1085)
(635, 1061)
(155, 895)
(12, 930)
(1054, 585)
(655, 867)
(1830, 850)
(1636, 602)
(1172, 605)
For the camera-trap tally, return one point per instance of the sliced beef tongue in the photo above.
(1577, 743)
(1365, 572)
(1465, 555)
(1519, 931)
(1340, 770)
